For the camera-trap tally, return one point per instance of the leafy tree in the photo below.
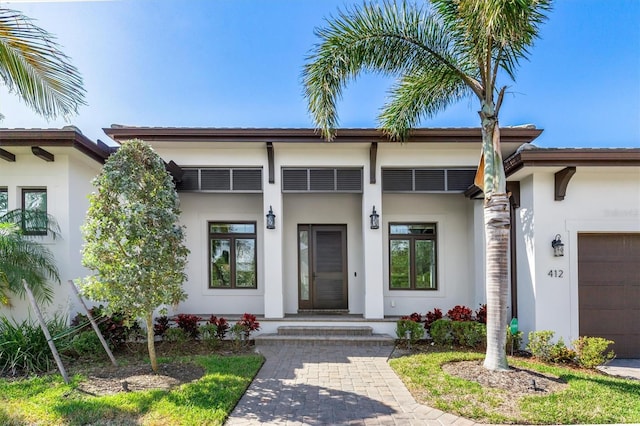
(22, 257)
(133, 241)
(32, 64)
(441, 52)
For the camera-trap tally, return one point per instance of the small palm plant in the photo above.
(23, 257)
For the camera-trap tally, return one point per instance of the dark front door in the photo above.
(322, 267)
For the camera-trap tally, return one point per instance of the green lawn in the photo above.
(590, 398)
(208, 401)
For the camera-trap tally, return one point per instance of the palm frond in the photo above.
(32, 64)
(388, 39)
(32, 219)
(420, 95)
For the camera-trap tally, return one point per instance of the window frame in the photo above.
(23, 194)
(232, 237)
(5, 190)
(413, 238)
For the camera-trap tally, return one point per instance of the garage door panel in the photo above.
(612, 273)
(602, 297)
(609, 290)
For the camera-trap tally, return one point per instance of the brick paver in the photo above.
(331, 385)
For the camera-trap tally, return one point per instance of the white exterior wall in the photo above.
(68, 183)
(599, 199)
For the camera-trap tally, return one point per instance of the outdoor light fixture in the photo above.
(558, 246)
(375, 219)
(271, 219)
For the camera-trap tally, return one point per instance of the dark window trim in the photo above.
(23, 206)
(232, 259)
(412, 254)
(5, 190)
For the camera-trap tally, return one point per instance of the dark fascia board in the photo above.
(572, 157)
(66, 137)
(119, 133)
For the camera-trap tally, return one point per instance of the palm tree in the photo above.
(22, 257)
(32, 64)
(441, 53)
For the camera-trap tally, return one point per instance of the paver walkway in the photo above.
(331, 385)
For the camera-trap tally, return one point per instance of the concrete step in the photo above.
(273, 339)
(305, 330)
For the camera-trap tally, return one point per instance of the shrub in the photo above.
(249, 324)
(481, 314)
(415, 317)
(441, 332)
(469, 333)
(460, 313)
(430, 317)
(161, 325)
(189, 324)
(409, 327)
(222, 326)
(116, 328)
(590, 351)
(540, 344)
(176, 335)
(208, 335)
(24, 349)
(542, 348)
(86, 344)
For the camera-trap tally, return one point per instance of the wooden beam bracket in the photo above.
(7, 156)
(42, 154)
(373, 158)
(562, 179)
(270, 159)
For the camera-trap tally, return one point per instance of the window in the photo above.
(34, 200)
(412, 256)
(4, 201)
(232, 254)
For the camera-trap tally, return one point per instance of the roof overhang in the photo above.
(572, 157)
(65, 137)
(512, 135)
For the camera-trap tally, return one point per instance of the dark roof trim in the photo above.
(518, 135)
(65, 137)
(547, 157)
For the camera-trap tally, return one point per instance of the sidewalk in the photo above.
(331, 385)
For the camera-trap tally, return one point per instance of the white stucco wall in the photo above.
(598, 199)
(67, 180)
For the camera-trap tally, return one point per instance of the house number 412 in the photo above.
(556, 273)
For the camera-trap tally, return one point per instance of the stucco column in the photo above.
(272, 248)
(373, 243)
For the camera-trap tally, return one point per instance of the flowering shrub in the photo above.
(460, 313)
(415, 317)
(189, 324)
(221, 324)
(481, 314)
(431, 317)
(161, 325)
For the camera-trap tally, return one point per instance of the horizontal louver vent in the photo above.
(427, 180)
(321, 180)
(221, 180)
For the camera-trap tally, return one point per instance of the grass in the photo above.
(591, 397)
(46, 400)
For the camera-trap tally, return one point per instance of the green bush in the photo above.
(209, 335)
(414, 329)
(591, 351)
(469, 333)
(441, 332)
(24, 349)
(541, 347)
(86, 344)
(175, 335)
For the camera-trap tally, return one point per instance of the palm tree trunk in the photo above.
(496, 228)
(151, 342)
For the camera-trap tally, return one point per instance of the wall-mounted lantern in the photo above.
(375, 219)
(271, 219)
(558, 246)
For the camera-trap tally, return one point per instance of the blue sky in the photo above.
(237, 63)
